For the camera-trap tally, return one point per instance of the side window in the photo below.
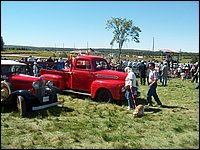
(83, 64)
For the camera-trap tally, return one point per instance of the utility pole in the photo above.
(87, 48)
(111, 50)
(153, 46)
(87, 45)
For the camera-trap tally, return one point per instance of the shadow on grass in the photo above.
(52, 111)
(141, 101)
(172, 107)
(151, 109)
(78, 96)
(124, 102)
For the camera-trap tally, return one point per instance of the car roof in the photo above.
(11, 62)
(89, 56)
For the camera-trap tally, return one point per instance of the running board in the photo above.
(46, 106)
(71, 91)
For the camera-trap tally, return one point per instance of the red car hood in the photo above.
(24, 78)
(110, 74)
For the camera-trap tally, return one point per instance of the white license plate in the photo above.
(46, 99)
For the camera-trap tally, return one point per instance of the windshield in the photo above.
(101, 65)
(9, 69)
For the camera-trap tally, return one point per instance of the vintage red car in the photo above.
(25, 92)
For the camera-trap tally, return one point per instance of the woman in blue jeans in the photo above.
(153, 78)
(130, 84)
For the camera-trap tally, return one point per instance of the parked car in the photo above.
(24, 92)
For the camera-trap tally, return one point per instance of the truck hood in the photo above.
(24, 78)
(110, 74)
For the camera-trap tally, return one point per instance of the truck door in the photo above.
(82, 76)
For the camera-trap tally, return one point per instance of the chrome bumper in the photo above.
(46, 106)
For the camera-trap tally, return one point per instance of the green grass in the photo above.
(83, 123)
(33, 53)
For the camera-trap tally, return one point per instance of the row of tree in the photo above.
(2, 43)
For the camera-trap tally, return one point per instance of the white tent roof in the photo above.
(11, 62)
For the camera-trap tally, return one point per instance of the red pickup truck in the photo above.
(88, 75)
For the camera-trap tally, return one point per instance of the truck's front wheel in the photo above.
(104, 96)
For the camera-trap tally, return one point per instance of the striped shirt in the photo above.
(153, 75)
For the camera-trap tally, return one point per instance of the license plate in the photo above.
(46, 99)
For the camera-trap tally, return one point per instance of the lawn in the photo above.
(83, 123)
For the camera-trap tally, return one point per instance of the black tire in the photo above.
(56, 97)
(104, 96)
(21, 106)
(7, 88)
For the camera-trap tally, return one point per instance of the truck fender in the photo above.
(57, 80)
(114, 87)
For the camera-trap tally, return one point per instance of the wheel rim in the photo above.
(19, 105)
(5, 91)
(104, 96)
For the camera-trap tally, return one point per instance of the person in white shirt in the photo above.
(30, 59)
(35, 69)
(130, 84)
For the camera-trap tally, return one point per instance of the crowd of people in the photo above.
(165, 69)
(152, 72)
(35, 64)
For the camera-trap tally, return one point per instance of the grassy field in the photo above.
(83, 123)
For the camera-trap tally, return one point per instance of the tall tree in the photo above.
(123, 31)
(2, 43)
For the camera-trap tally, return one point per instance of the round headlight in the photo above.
(49, 83)
(123, 89)
(35, 85)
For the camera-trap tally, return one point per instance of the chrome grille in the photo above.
(40, 91)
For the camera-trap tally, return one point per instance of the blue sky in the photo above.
(81, 24)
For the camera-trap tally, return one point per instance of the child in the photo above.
(183, 74)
